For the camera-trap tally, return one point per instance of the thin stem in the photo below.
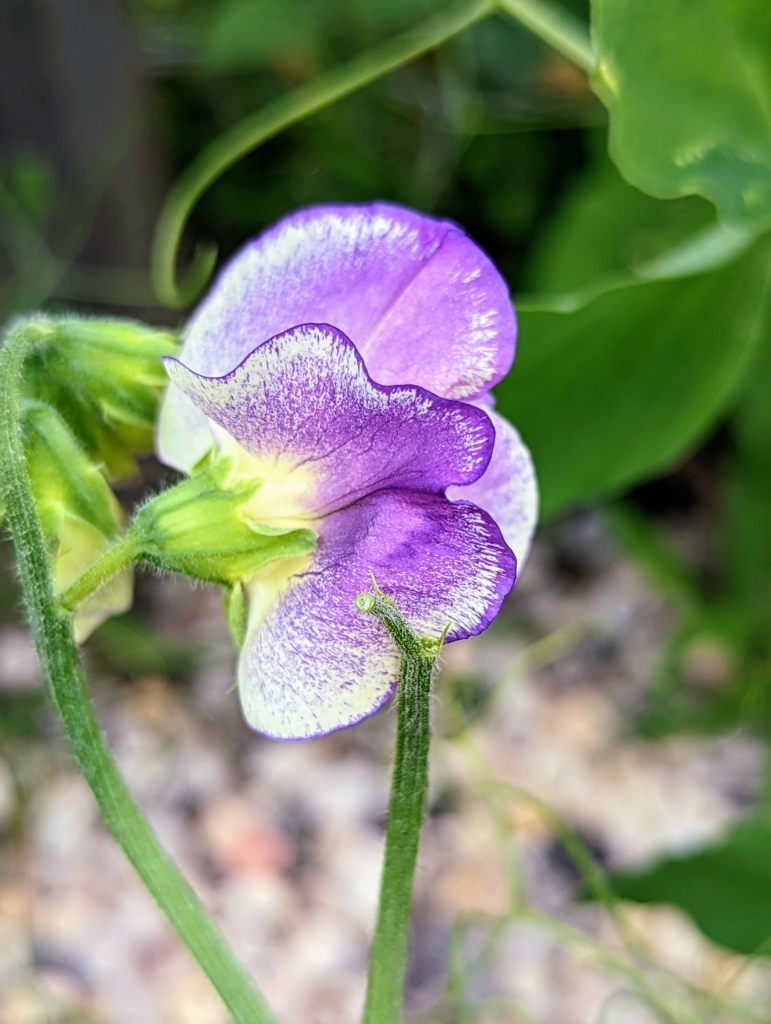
(122, 553)
(388, 958)
(591, 873)
(52, 633)
(274, 118)
(556, 26)
(664, 992)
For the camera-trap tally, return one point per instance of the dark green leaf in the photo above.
(688, 87)
(725, 888)
(749, 568)
(610, 389)
(605, 226)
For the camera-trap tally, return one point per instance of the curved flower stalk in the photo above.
(55, 643)
(343, 362)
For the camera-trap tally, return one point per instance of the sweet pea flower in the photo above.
(344, 359)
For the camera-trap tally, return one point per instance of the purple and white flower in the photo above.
(344, 358)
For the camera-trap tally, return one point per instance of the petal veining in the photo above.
(422, 303)
(302, 405)
(311, 663)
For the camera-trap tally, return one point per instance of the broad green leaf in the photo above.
(749, 566)
(688, 87)
(614, 383)
(606, 226)
(725, 888)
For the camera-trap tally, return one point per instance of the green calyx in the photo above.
(78, 512)
(201, 528)
(90, 391)
(106, 379)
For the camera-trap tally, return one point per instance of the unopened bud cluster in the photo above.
(91, 391)
(106, 378)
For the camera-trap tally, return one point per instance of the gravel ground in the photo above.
(283, 841)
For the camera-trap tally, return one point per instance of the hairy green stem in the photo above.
(274, 118)
(388, 959)
(124, 552)
(556, 26)
(52, 633)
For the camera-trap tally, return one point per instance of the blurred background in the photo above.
(597, 845)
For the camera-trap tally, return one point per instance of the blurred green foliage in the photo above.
(646, 319)
(688, 87)
(129, 647)
(638, 228)
(644, 367)
(725, 887)
(452, 133)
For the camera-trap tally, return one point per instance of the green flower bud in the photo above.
(106, 378)
(80, 516)
(201, 528)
